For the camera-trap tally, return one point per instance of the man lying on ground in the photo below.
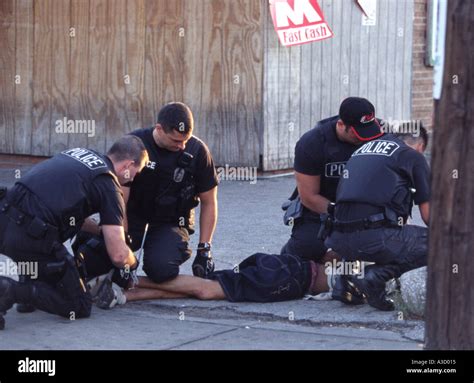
(259, 278)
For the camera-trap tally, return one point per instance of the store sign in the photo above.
(299, 21)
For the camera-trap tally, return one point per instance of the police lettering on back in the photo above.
(85, 157)
(151, 165)
(378, 147)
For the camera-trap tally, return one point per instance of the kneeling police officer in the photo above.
(384, 178)
(179, 176)
(49, 206)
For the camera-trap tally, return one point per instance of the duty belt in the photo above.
(34, 226)
(372, 222)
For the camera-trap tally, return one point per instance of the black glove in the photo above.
(203, 264)
(123, 276)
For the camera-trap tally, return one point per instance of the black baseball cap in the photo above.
(359, 114)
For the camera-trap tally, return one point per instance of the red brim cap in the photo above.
(368, 132)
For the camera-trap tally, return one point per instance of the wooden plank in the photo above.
(8, 73)
(345, 56)
(392, 53)
(59, 67)
(215, 77)
(233, 76)
(24, 69)
(259, 111)
(293, 90)
(400, 70)
(336, 52)
(234, 44)
(153, 77)
(79, 107)
(327, 60)
(97, 77)
(270, 91)
(316, 85)
(115, 119)
(354, 55)
(138, 110)
(42, 93)
(306, 87)
(194, 24)
(380, 87)
(173, 51)
(247, 93)
(283, 106)
(407, 58)
(368, 63)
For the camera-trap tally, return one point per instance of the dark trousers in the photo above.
(266, 278)
(304, 242)
(166, 248)
(56, 290)
(405, 247)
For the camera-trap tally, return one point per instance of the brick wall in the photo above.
(422, 92)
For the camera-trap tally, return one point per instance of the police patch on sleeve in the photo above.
(86, 157)
(378, 148)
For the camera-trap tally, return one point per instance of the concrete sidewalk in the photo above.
(191, 325)
(250, 221)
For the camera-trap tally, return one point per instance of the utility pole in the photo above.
(450, 288)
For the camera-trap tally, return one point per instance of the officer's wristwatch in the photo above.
(204, 246)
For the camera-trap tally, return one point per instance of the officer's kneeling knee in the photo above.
(162, 273)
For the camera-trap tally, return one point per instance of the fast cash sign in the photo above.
(299, 21)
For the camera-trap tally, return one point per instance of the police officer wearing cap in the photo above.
(320, 158)
(385, 177)
(49, 206)
(179, 175)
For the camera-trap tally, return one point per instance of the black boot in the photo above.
(345, 292)
(373, 285)
(7, 297)
(24, 307)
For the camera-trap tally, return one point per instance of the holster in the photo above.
(293, 210)
(326, 227)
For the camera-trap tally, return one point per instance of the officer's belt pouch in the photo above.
(37, 228)
(293, 210)
(402, 197)
(94, 243)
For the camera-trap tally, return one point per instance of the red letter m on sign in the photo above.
(299, 21)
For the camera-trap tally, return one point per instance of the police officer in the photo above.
(320, 158)
(49, 206)
(384, 178)
(179, 175)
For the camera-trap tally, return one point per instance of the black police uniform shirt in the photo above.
(159, 174)
(319, 152)
(383, 173)
(66, 189)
